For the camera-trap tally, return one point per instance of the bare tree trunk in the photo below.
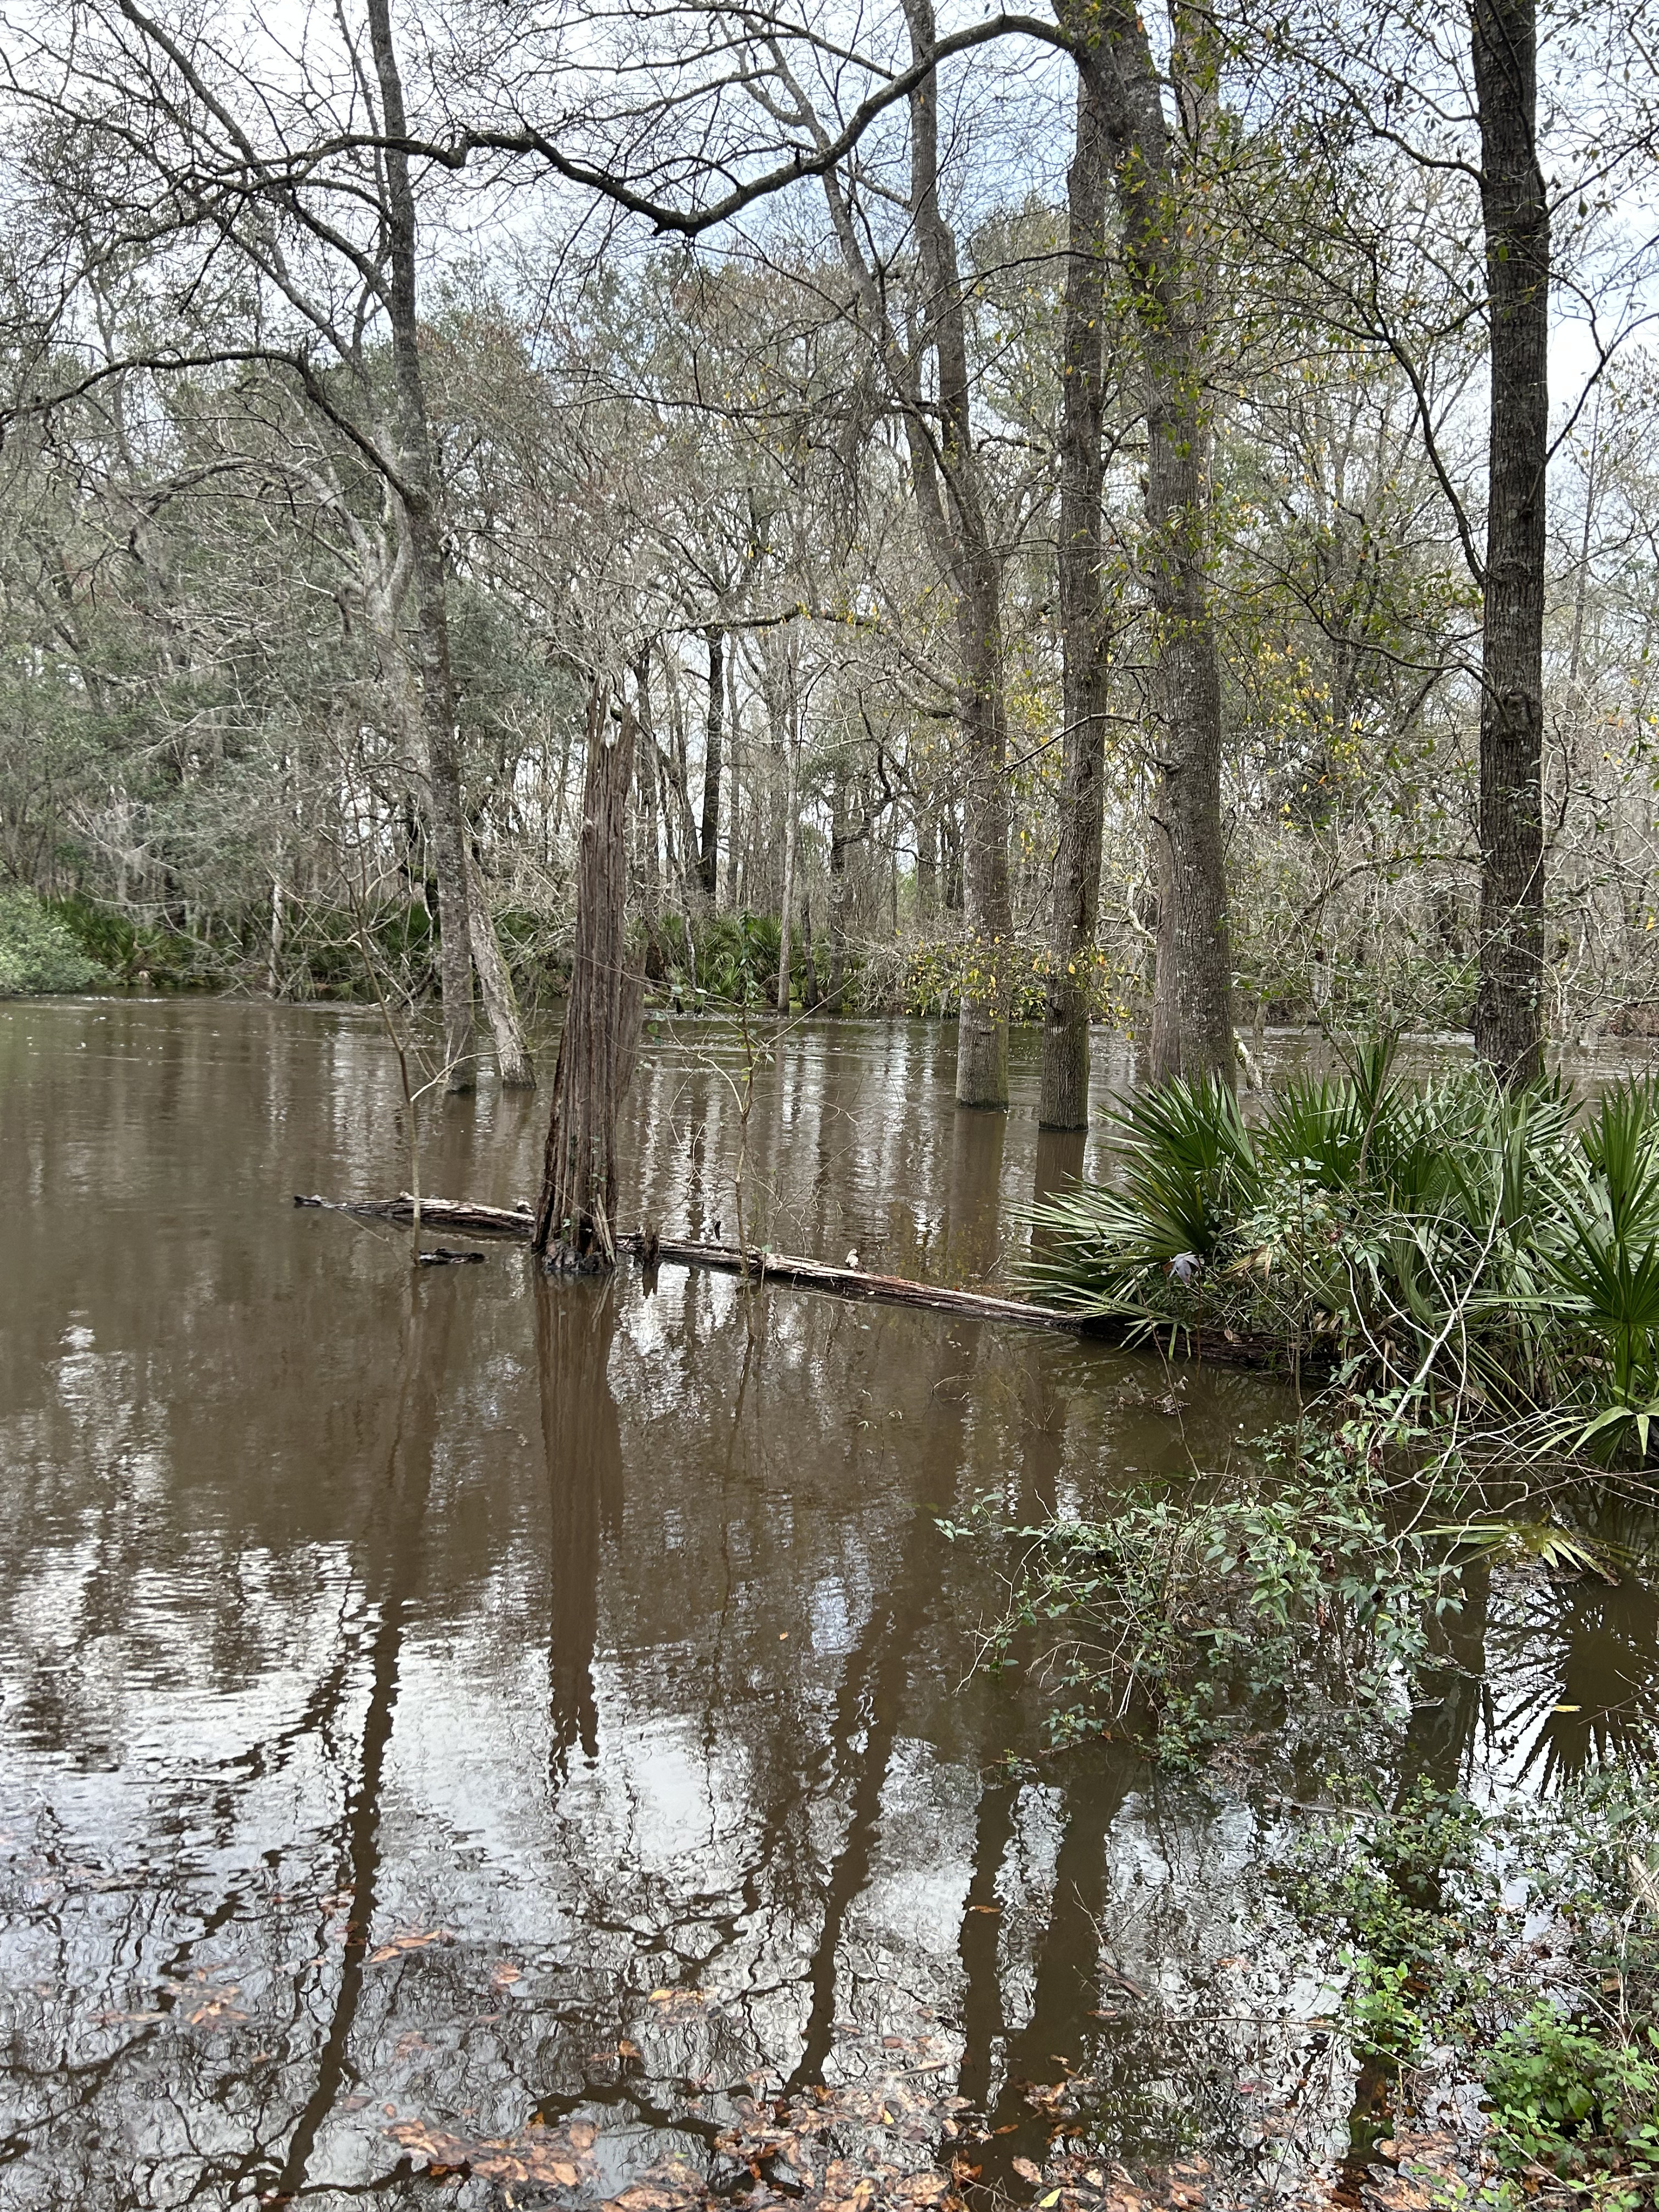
(518, 1069)
(950, 834)
(791, 802)
(982, 1028)
(983, 1024)
(926, 864)
(809, 987)
(437, 686)
(1509, 1029)
(709, 844)
(647, 775)
(1191, 1017)
(577, 1211)
(273, 972)
(1063, 1101)
(734, 803)
(838, 892)
(679, 776)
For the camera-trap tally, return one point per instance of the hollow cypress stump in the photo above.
(575, 1219)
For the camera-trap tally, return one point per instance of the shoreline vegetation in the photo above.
(1463, 1281)
(691, 962)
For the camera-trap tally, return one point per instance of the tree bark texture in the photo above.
(1509, 1000)
(1063, 1101)
(575, 1219)
(708, 845)
(518, 1069)
(419, 501)
(1192, 1018)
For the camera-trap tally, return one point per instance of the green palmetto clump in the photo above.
(1445, 1237)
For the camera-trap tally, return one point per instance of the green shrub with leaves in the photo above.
(38, 950)
(1565, 2093)
(1287, 1582)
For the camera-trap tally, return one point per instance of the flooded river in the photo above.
(431, 1703)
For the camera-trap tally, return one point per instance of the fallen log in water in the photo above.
(455, 1216)
(856, 1283)
(435, 1214)
(462, 1219)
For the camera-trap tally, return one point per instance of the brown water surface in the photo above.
(459, 1698)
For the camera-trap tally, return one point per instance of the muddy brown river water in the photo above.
(441, 1700)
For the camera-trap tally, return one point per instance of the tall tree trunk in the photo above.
(1191, 1017)
(927, 864)
(790, 805)
(577, 1211)
(518, 1069)
(983, 1030)
(838, 893)
(940, 435)
(708, 845)
(982, 1027)
(1508, 1001)
(809, 987)
(273, 971)
(677, 766)
(950, 833)
(647, 776)
(1063, 1101)
(734, 780)
(437, 685)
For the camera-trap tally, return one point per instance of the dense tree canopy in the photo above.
(1032, 425)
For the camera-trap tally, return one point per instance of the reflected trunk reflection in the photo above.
(582, 1446)
(391, 1575)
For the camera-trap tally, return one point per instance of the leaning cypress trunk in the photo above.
(1191, 1017)
(1508, 1001)
(419, 501)
(576, 1218)
(708, 847)
(518, 1069)
(1063, 1103)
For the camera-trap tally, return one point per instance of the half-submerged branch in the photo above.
(460, 1218)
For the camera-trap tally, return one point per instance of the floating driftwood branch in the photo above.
(458, 1218)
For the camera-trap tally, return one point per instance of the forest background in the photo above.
(948, 451)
